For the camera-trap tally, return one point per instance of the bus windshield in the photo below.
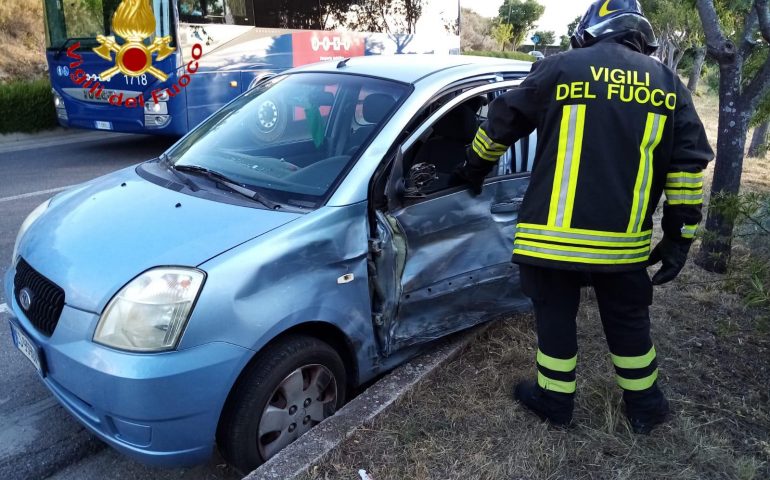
(68, 21)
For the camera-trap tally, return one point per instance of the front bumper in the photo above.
(160, 409)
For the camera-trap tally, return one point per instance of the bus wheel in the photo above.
(272, 119)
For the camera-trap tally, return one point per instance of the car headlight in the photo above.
(36, 213)
(149, 314)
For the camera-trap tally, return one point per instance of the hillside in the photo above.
(23, 39)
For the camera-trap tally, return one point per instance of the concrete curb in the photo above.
(377, 399)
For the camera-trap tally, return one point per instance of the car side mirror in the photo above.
(394, 191)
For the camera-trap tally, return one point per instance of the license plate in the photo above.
(27, 347)
(103, 125)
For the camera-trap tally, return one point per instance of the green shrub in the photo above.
(27, 106)
(509, 55)
(749, 273)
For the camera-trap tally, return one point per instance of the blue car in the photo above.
(303, 240)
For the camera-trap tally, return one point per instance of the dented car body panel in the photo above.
(447, 265)
(341, 243)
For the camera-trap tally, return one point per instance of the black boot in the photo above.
(646, 409)
(553, 407)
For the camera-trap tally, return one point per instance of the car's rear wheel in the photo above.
(292, 386)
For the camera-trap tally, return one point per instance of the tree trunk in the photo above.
(697, 68)
(677, 58)
(759, 140)
(714, 254)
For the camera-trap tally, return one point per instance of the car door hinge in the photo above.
(378, 319)
(375, 246)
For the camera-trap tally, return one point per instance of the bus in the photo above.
(200, 54)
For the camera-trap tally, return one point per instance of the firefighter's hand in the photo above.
(466, 175)
(673, 254)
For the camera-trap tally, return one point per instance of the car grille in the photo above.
(47, 298)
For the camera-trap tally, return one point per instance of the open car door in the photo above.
(442, 256)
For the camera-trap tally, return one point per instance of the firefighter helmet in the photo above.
(607, 17)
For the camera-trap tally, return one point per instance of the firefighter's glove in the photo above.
(673, 254)
(471, 173)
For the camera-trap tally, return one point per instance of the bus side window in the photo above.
(229, 12)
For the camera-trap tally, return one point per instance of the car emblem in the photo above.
(25, 298)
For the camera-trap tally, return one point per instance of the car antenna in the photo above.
(343, 63)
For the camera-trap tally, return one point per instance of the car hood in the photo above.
(96, 237)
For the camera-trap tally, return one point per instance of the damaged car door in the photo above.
(442, 256)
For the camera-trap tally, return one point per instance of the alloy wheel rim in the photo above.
(302, 400)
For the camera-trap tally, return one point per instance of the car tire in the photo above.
(270, 386)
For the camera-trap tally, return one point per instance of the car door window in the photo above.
(429, 163)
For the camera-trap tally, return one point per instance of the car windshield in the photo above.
(292, 137)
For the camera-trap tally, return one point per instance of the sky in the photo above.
(558, 13)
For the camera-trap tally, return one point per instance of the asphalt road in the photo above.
(38, 438)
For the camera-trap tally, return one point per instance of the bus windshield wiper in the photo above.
(166, 162)
(224, 180)
(67, 42)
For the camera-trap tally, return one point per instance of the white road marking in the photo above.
(34, 194)
(55, 141)
(4, 308)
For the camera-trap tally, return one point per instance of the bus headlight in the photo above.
(58, 103)
(155, 108)
(150, 313)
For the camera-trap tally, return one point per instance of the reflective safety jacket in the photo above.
(615, 130)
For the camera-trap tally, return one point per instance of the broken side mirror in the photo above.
(421, 176)
(395, 188)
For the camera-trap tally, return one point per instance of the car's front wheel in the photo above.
(292, 385)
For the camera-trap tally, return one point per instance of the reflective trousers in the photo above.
(624, 299)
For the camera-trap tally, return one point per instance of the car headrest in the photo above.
(320, 99)
(376, 106)
(459, 124)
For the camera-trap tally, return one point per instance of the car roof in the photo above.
(414, 68)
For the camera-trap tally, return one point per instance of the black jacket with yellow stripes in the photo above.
(616, 128)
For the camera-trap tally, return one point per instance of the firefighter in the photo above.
(616, 130)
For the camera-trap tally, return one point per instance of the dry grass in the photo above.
(23, 38)
(462, 423)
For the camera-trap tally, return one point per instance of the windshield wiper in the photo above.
(224, 180)
(67, 42)
(166, 162)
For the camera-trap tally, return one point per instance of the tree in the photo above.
(475, 31)
(521, 15)
(395, 17)
(759, 141)
(697, 68)
(547, 37)
(761, 120)
(677, 25)
(735, 31)
(502, 33)
(565, 39)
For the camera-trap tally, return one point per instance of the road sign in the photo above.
(536, 39)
